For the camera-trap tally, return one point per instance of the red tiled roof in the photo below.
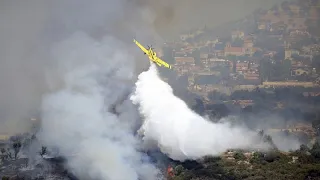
(233, 49)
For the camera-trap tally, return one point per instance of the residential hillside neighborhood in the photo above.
(281, 50)
(268, 63)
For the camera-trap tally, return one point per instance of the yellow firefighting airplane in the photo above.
(152, 55)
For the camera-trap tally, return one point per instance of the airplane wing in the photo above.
(140, 46)
(163, 63)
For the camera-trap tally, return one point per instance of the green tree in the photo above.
(258, 157)
(239, 156)
(286, 67)
(272, 156)
(16, 147)
(303, 148)
(261, 133)
(316, 146)
(315, 151)
(268, 139)
(178, 170)
(266, 69)
(231, 57)
(316, 62)
(43, 151)
(196, 56)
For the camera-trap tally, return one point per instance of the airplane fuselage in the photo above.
(152, 56)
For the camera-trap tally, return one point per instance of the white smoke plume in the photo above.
(76, 119)
(178, 131)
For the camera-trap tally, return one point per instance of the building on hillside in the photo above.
(4, 137)
(218, 49)
(242, 67)
(288, 84)
(251, 76)
(233, 51)
(180, 54)
(263, 25)
(248, 43)
(295, 33)
(300, 71)
(289, 53)
(244, 103)
(296, 24)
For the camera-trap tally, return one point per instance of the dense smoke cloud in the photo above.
(76, 118)
(180, 132)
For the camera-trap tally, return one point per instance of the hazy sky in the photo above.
(177, 15)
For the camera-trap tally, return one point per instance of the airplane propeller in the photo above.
(150, 47)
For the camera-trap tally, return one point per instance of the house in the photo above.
(296, 24)
(262, 25)
(287, 84)
(235, 51)
(251, 76)
(180, 54)
(218, 49)
(4, 137)
(242, 66)
(300, 71)
(244, 103)
(248, 43)
(295, 52)
(299, 33)
(279, 26)
(288, 53)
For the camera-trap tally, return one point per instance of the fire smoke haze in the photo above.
(72, 60)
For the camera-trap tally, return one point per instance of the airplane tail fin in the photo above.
(134, 37)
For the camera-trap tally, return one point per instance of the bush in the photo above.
(239, 156)
(271, 156)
